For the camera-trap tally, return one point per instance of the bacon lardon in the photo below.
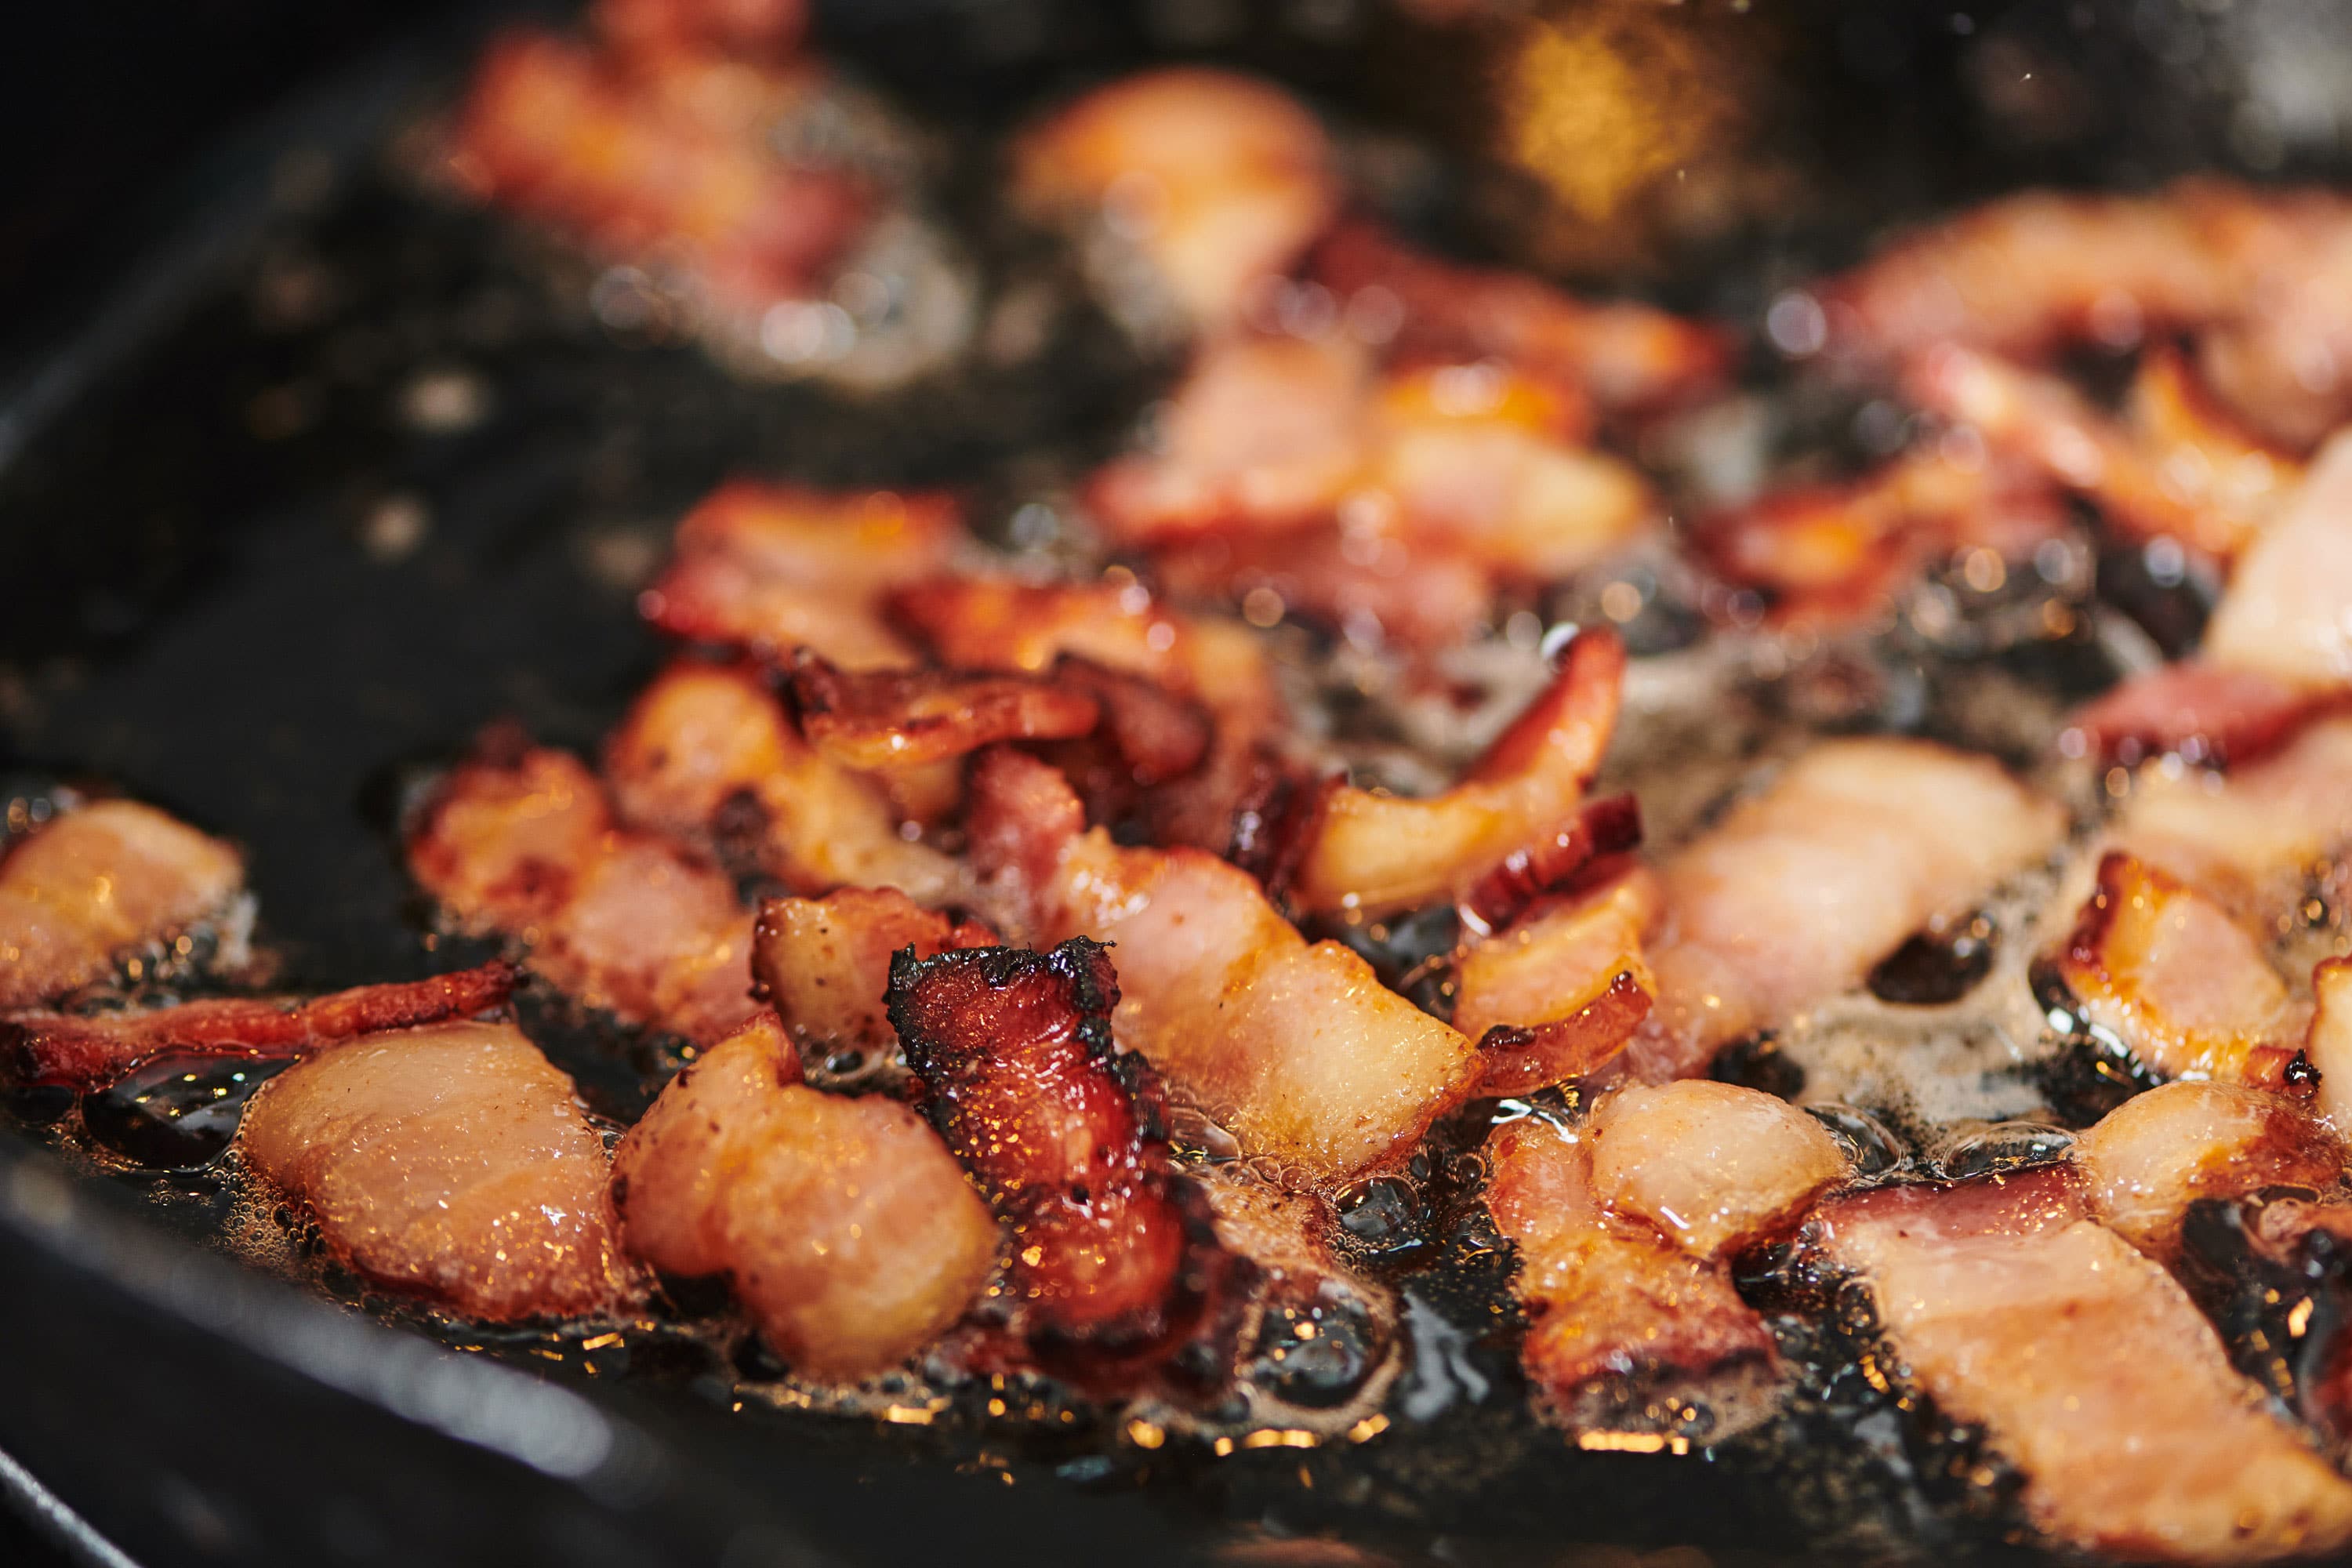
(1558, 994)
(87, 1051)
(1298, 1048)
(708, 755)
(451, 1161)
(523, 843)
(99, 883)
(2087, 1368)
(848, 1232)
(825, 964)
(893, 719)
(1116, 1266)
(2179, 1143)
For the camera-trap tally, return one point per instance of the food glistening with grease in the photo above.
(1409, 864)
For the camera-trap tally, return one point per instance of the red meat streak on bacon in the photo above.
(1116, 1262)
(85, 1052)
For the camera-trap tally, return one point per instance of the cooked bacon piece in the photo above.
(2169, 973)
(1623, 1229)
(848, 1232)
(2204, 712)
(777, 567)
(452, 1161)
(667, 158)
(2152, 1156)
(1375, 586)
(708, 756)
(2203, 450)
(825, 964)
(1628, 356)
(1377, 853)
(1219, 180)
(2088, 1368)
(2230, 835)
(889, 719)
(1116, 1263)
(85, 1052)
(1582, 854)
(2283, 615)
(524, 843)
(100, 882)
(1557, 995)
(2328, 1046)
(1799, 891)
(1298, 1049)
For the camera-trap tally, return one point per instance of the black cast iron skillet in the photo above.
(204, 608)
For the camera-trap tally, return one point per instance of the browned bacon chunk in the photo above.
(1298, 1048)
(2283, 615)
(893, 719)
(2237, 837)
(523, 843)
(825, 964)
(452, 1161)
(1116, 1263)
(708, 756)
(850, 1233)
(1625, 1227)
(1376, 852)
(2088, 1368)
(1558, 994)
(2152, 1156)
(62, 1048)
(774, 568)
(97, 882)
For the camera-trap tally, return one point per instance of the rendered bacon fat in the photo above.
(99, 881)
(1377, 853)
(1296, 1049)
(84, 1052)
(1115, 1260)
(825, 964)
(2087, 1367)
(850, 1233)
(708, 756)
(1800, 890)
(522, 842)
(1623, 1228)
(2152, 1156)
(452, 1161)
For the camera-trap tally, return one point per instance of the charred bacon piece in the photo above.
(451, 1161)
(708, 756)
(2087, 1368)
(1624, 1228)
(97, 883)
(825, 964)
(85, 1052)
(1296, 1049)
(522, 841)
(1373, 854)
(774, 568)
(1558, 994)
(890, 719)
(850, 1234)
(2146, 1161)
(2167, 971)
(1115, 1258)
(1801, 889)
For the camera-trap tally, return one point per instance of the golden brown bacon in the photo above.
(2152, 1156)
(2087, 1367)
(825, 964)
(2169, 973)
(1629, 356)
(522, 842)
(1558, 994)
(1219, 180)
(778, 567)
(1582, 852)
(57, 1048)
(1800, 890)
(97, 883)
(1624, 1228)
(848, 1232)
(1296, 1049)
(892, 719)
(1377, 853)
(708, 756)
(2283, 615)
(452, 1161)
(1116, 1263)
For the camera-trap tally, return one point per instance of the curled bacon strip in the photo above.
(1377, 853)
(522, 842)
(1115, 1256)
(85, 1052)
(1605, 828)
(825, 964)
(101, 880)
(1558, 994)
(891, 719)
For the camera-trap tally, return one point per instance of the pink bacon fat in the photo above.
(451, 1161)
(847, 1230)
(85, 1052)
(99, 882)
